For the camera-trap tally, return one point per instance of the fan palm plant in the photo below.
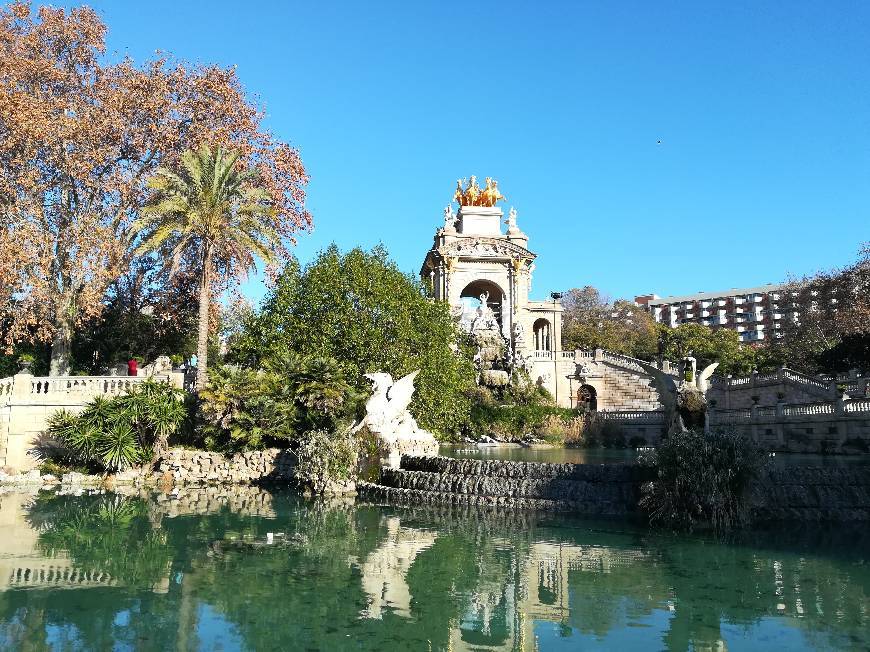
(211, 216)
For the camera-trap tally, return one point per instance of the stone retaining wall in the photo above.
(808, 493)
(794, 493)
(192, 467)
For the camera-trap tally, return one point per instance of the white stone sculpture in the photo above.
(485, 317)
(675, 394)
(387, 416)
(511, 222)
(449, 220)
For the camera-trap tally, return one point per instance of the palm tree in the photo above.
(208, 216)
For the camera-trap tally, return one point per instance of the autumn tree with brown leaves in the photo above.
(824, 313)
(78, 139)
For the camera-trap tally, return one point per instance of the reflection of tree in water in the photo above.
(104, 533)
(483, 581)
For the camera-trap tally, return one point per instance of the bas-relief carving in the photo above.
(484, 247)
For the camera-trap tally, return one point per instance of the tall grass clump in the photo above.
(702, 480)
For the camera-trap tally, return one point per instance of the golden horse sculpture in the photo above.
(472, 195)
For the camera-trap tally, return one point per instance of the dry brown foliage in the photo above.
(78, 139)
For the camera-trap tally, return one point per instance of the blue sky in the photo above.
(762, 110)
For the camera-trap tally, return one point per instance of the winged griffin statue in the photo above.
(387, 416)
(684, 397)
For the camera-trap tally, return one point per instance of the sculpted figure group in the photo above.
(473, 195)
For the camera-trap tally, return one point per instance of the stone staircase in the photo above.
(593, 489)
(628, 390)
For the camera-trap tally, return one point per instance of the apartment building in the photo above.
(755, 313)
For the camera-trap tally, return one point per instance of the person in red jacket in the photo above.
(132, 367)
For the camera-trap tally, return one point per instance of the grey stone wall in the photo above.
(181, 466)
(796, 493)
(813, 494)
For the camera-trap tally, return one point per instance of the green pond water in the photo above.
(249, 569)
(558, 455)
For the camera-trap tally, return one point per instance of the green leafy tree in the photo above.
(360, 310)
(827, 319)
(593, 321)
(209, 216)
(707, 346)
(144, 315)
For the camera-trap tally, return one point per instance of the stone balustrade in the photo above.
(858, 405)
(27, 401)
(646, 416)
(841, 425)
(809, 409)
(84, 385)
(784, 374)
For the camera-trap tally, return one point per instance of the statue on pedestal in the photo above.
(684, 398)
(472, 195)
(388, 418)
(449, 220)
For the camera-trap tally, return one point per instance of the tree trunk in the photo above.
(202, 338)
(61, 343)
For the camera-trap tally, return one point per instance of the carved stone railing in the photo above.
(846, 409)
(647, 416)
(730, 416)
(858, 405)
(24, 387)
(803, 379)
(83, 385)
(785, 375)
(809, 409)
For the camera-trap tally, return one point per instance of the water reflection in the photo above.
(244, 568)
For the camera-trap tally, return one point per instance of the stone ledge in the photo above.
(527, 470)
(556, 488)
(415, 496)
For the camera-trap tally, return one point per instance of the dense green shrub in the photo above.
(324, 458)
(359, 309)
(702, 479)
(117, 433)
(512, 422)
(273, 406)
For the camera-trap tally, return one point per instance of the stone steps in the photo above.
(538, 488)
(602, 489)
(630, 392)
(395, 495)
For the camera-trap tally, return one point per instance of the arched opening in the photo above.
(587, 398)
(473, 297)
(543, 335)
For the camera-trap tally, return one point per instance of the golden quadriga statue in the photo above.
(472, 195)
